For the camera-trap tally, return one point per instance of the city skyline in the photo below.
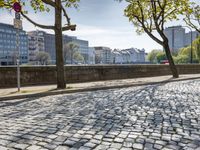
(101, 23)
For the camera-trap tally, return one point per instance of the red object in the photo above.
(17, 7)
(164, 62)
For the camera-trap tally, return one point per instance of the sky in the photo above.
(101, 22)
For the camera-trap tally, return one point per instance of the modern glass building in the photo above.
(8, 45)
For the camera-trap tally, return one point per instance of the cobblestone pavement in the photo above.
(163, 116)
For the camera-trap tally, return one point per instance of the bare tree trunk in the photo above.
(170, 59)
(59, 46)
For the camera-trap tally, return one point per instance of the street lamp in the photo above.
(191, 57)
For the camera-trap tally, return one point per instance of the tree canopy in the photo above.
(59, 7)
(71, 53)
(42, 6)
(43, 58)
(150, 16)
(193, 16)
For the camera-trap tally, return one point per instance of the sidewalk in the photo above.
(39, 91)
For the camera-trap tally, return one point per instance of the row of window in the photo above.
(11, 57)
(11, 31)
(13, 37)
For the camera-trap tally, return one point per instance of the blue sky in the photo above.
(101, 22)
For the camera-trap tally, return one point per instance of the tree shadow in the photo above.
(165, 114)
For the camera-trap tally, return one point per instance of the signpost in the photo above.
(18, 26)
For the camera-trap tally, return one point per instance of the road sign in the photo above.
(17, 15)
(17, 7)
(17, 24)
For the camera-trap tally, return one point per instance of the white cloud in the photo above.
(116, 37)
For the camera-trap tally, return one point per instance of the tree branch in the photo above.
(189, 23)
(36, 24)
(148, 32)
(49, 2)
(66, 16)
(69, 27)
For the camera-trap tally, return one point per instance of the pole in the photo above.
(191, 57)
(18, 62)
(191, 50)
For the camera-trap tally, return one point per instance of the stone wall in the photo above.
(47, 74)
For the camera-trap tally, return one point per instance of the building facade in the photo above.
(103, 55)
(36, 44)
(83, 49)
(189, 35)
(128, 56)
(8, 45)
(49, 44)
(91, 57)
(178, 38)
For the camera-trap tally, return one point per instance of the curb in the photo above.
(50, 93)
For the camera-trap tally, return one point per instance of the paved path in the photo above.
(46, 90)
(163, 116)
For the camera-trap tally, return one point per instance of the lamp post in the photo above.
(191, 53)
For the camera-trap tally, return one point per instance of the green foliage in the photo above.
(184, 55)
(152, 14)
(198, 48)
(161, 56)
(78, 57)
(37, 5)
(185, 51)
(193, 16)
(155, 56)
(181, 59)
(152, 56)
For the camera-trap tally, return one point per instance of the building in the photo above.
(8, 45)
(36, 44)
(83, 48)
(103, 55)
(91, 57)
(128, 56)
(178, 38)
(193, 34)
(49, 44)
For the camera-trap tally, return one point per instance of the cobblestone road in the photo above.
(164, 116)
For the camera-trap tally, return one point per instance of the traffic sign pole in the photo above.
(18, 26)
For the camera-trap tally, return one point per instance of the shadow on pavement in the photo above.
(161, 115)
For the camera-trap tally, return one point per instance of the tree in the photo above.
(196, 50)
(152, 15)
(98, 59)
(193, 17)
(180, 59)
(71, 52)
(59, 8)
(78, 57)
(161, 56)
(43, 58)
(152, 56)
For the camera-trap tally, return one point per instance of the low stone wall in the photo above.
(41, 75)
